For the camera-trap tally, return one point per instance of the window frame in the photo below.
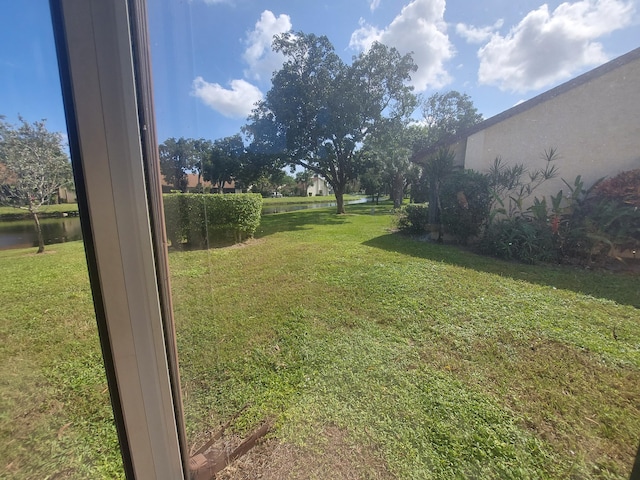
(105, 73)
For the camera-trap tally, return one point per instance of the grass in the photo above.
(438, 363)
(301, 200)
(12, 213)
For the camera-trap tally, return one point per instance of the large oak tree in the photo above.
(320, 110)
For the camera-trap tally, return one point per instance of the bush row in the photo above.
(200, 220)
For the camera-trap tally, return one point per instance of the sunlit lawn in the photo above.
(7, 213)
(437, 362)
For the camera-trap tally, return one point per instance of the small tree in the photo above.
(33, 168)
(389, 151)
(224, 161)
(177, 157)
(435, 169)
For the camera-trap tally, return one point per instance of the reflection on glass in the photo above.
(56, 419)
(373, 355)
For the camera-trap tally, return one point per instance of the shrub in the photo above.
(414, 218)
(205, 219)
(624, 188)
(465, 200)
(519, 238)
(581, 226)
(615, 207)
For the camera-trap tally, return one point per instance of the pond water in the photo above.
(22, 234)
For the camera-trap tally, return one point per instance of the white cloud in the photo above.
(419, 28)
(374, 4)
(262, 60)
(477, 34)
(546, 47)
(236, 102)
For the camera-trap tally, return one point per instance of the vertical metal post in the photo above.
(96, 58)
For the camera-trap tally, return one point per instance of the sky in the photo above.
(212, 59)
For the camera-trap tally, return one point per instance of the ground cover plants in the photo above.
(377, 356)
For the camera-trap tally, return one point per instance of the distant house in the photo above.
(192, 184)
(319, 187)
(593, 121)
(66, 195)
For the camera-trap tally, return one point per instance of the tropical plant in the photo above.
(512, 185)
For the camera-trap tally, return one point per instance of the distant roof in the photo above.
(537, 100)
(192, 182)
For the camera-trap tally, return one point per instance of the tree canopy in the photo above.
(319, 110)
(177, 158)
(33, 167)
(224, 161)
(446, 115)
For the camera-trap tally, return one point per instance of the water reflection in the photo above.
(22, 233)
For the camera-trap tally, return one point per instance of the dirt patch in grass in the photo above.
(585, 408)
(330, 455)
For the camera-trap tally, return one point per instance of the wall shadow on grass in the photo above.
(298, 220)
(623, 288)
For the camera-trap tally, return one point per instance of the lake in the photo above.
(22, 234)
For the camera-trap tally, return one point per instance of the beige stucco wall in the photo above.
(318, 186)
(594, 126)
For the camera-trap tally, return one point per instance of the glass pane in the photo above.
(56, 419)
(371, 353)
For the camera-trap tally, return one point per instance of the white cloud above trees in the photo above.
(550, 46)
(238, 100)
(262, 60)
(234, 102)
(419, 28)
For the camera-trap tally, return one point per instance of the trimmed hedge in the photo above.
(200, 220)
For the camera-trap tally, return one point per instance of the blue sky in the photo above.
(212, 58)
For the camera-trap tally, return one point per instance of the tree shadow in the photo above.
(297, 220)
(621, 287)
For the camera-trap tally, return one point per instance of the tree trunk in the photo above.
(39, 231)
(398, 191)
(434, 214)
(339, 200)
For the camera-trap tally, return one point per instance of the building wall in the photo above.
(319, 187)
(595, 127)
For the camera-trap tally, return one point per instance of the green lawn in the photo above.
(300, 200)
(428, 361)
